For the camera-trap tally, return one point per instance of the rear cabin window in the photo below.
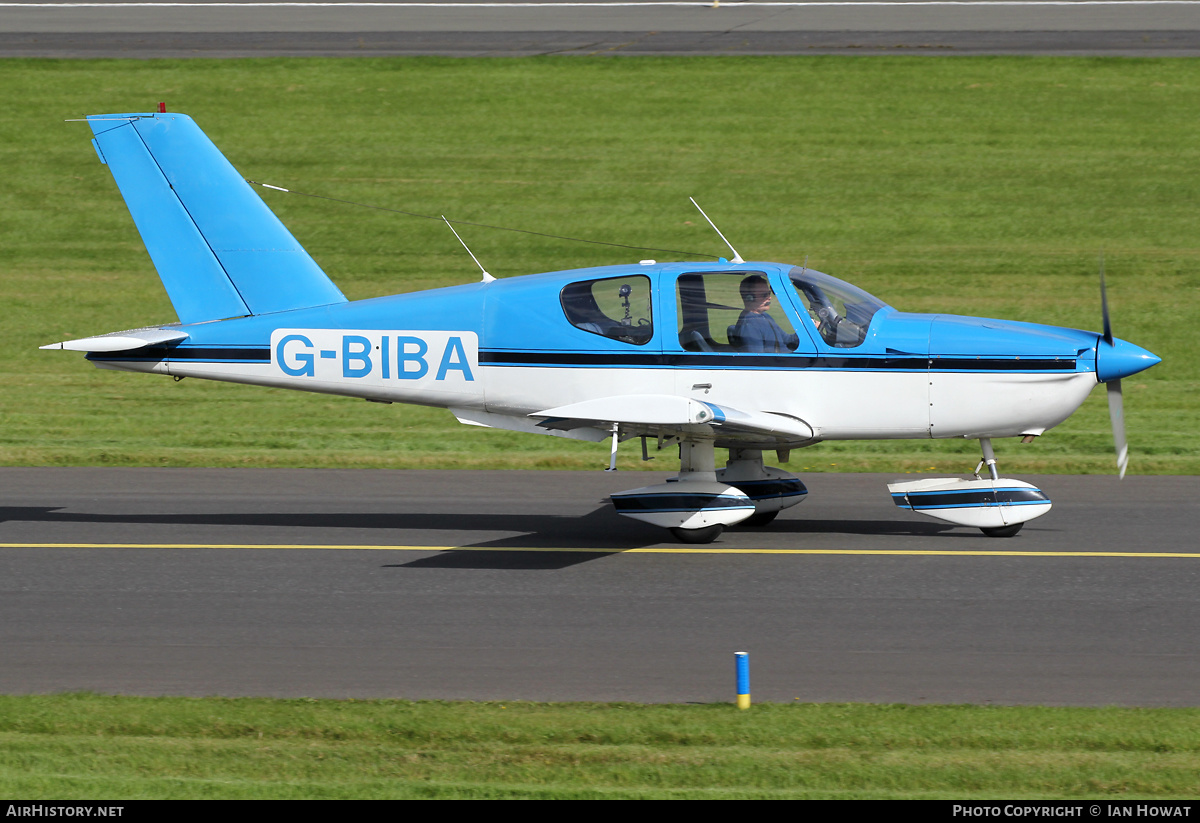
(616, 307)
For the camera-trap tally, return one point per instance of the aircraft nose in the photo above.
(1121, 359)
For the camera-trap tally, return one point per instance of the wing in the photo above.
(659, 414)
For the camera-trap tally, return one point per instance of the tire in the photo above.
(1003, 531)
(759, 519)
(705, 535)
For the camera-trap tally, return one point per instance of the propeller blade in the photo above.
(1108, 335)
(1116, 401)
(1116, 411)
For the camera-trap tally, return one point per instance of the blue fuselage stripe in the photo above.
(262, 354)
(771, 361)
(214, 354)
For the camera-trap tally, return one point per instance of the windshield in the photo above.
(841, 312)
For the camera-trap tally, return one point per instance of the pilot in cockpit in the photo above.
(756, 330)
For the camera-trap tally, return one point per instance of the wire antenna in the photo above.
(737, 258)
(487, 278)
(469, 223)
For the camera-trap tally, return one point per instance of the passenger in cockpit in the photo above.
(756, 330)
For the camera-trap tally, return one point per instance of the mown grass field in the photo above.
(96, 747)
(984, 186)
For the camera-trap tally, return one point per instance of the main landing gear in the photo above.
(997, 506)
(697, 505)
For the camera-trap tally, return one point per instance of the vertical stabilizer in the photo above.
(220, 251)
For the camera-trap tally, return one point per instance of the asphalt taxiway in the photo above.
(111, 28)
(526, 585)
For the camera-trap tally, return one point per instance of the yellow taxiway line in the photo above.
(649, 550)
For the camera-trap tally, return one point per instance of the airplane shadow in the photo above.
(549, 539)
(880, 528)
(595, 535)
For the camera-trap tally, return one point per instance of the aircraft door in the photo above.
(733, 313)
(735, 341)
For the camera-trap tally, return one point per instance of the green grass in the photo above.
(982, 186)
(91, 746)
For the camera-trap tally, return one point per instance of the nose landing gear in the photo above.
(997, 506)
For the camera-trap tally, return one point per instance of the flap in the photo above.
(649, 409)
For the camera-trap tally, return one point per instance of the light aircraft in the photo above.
(751, 357)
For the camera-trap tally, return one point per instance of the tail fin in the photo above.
(219, 250)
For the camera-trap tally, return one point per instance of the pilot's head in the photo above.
(756, 293)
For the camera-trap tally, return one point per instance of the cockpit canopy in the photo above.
(725, 310)
(841, 312)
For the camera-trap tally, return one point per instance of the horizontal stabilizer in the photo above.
(218, 248)
(122, 340)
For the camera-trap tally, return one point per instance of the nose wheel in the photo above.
(989, 459)
(705, 535)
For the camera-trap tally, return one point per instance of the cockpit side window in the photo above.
(731, 312)
(617, 307)
(842, 313)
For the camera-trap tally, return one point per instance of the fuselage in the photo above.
(846, 365)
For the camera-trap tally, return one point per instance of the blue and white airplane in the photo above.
(746, 356)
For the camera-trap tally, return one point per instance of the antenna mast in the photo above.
(487, 278)
(737, 258)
